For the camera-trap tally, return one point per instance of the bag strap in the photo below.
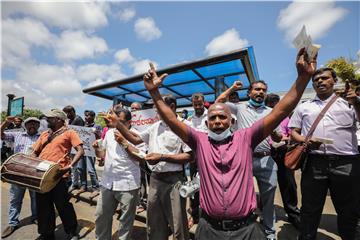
(319, 117)
(52, 137)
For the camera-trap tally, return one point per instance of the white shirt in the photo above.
(338, 124)
(121, 172)
(161, 139)
(199, 123)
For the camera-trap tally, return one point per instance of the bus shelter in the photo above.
(209, 76)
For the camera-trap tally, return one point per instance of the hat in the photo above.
(34, 119)
(56, 113)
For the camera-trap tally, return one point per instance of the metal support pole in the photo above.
(10, 98)
(219, 86)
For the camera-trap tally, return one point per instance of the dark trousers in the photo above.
(287, 184)
(205, 231)
(46, 212)
(195, 201)
(341, 175)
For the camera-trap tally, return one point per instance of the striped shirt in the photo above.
(22, 140)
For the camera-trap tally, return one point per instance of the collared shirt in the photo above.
(59, 148)
(121, 171)
(22, 140)
(199, 122)
(161, 139)
(338, 124)
(247, 115)
(226, 178)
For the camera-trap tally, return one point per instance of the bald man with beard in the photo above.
(224, 159)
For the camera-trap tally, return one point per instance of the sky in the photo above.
(51, 51)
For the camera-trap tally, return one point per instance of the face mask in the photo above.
(256, 104)
(219, 137)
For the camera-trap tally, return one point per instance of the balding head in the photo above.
(219, 117)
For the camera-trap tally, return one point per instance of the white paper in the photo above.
(43, 166)
(303, 40)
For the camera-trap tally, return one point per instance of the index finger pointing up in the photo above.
(152, 67)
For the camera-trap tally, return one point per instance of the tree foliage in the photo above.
(345, 70)
(27, 113)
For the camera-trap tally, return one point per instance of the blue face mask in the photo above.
(219, 137)
(256, 104)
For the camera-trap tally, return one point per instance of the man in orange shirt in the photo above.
(55, 145)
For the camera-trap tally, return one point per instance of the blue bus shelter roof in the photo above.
(187, 78)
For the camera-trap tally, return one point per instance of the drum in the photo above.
(34, 173)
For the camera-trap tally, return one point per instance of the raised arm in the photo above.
(5, 124)
(237, 85)
(152, 83)
(305, 69)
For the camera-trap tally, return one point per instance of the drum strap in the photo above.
(51, 137)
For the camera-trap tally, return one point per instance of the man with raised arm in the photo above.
(227, 196)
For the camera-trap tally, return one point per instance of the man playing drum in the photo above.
(55, 145)
(23, 140)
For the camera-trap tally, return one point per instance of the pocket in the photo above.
(343, 118)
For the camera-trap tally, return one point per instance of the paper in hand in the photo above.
(304, 40)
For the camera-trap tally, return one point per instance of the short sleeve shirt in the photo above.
(161, 139)
(59, 148)
(338, 124)
(226, 178)
(22, 140)
(121, 171)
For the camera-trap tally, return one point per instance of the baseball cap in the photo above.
(56, 113)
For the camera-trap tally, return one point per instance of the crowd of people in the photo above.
(227, 144)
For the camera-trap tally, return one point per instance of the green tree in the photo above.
(345, 70)
(26, 114)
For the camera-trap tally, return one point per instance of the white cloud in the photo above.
(77, 45)
(73, 15)
(45, 86)
(126, 14)
(146, 29)
(124, 56)
(142, 66)
(318, 17)
(19, 35)
(99, 72)
(228, 41)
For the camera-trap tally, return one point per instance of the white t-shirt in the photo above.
(121, 172)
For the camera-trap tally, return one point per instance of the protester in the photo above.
(90, 161)
(120, 184)
(136, 106)
(227, 196)
(333, 166)
(167, 155)
(78, 176)
(197, 121)
(22, 144)
(285, 176)
(264, 166)
(55, 145)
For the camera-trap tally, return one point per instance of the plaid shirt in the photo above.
(22, 140)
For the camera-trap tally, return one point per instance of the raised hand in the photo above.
(151, 80)
(110, 117)
(304, 65)
(351, 97)
(237, 85)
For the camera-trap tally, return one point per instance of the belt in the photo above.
(261, 154)
(229, 224)
(334, 157)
